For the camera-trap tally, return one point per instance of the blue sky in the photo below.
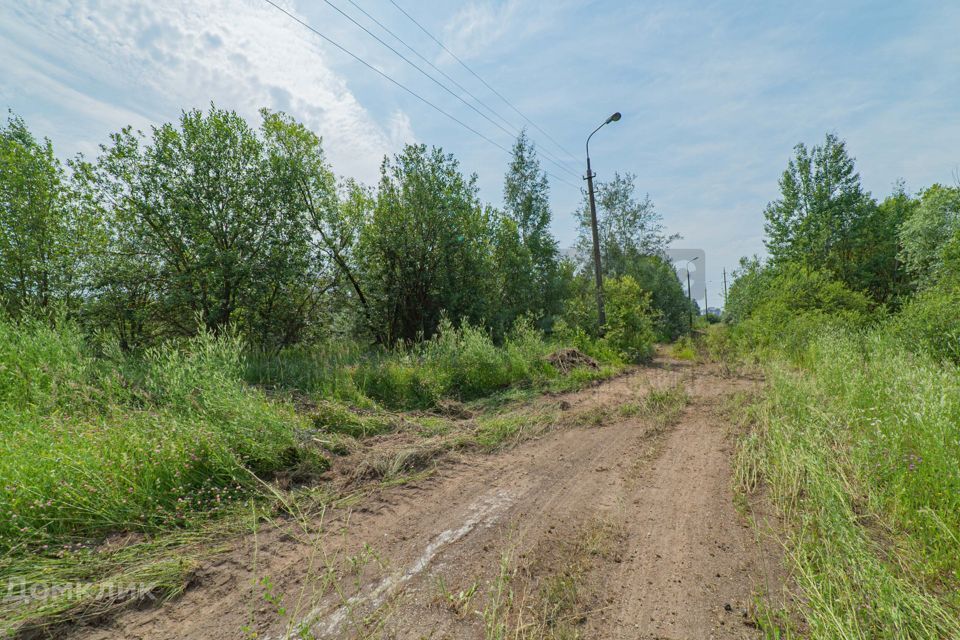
(714, 94)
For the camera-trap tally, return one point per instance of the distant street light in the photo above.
(601, 315)
(689, 296)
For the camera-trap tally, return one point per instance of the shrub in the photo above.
(630, 319)
(930, 323)
(782, 307)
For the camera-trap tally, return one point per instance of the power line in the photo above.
(435, 81)
(485, 83)
(413, 93)
(546, 152)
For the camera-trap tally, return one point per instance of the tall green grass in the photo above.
(96, 443)
(92, 445)
(461, 363)
(858, 441)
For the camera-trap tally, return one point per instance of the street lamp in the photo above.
(689, 296)
(601, 315)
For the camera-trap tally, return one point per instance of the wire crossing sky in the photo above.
(714, 95)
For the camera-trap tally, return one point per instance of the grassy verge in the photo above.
(117, 471)
(462, 364)
(857, 444)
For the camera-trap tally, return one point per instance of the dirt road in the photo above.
(622, 527)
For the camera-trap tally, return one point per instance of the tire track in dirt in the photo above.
(679, 551)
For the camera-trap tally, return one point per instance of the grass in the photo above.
(168, 445)
(857, 442)
(96, 445)
(461, 363)
(664, 406)
(684, 349)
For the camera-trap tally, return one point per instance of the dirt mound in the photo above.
(567, 359)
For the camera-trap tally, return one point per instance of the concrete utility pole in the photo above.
(689, 295)
(724, 286)
(601, 314)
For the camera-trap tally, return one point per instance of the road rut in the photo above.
(623, 527)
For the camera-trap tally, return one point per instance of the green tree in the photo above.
(633, 242)
(46, 237)
(881, 271)
(533, 283)
(426, 249)
(667, 296)
(205, 227)
(926, 231)
(515, 288)
(751, 283)
(826, 221)
(629, 228)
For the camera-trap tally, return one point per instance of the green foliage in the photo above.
(629, 229)
(425, 251)
(684, 349)
(93, 445)
(535, 277)
(46, 236)
(667, 297)
(932, 224)
(750, 285)
(782, 307)
(826, 221)
(630, 319)
(205, 227)
(335, 417)
(856, 440)
(930, 322)
(461, 363)
(632, 243)
(513, 277)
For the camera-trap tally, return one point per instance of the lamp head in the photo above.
(614, 118)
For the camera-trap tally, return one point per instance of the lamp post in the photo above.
(601, 315)
(689, 296)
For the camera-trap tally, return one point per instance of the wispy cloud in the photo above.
(152, 59)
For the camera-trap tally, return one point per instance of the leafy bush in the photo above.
(783, 307)
(630, 319)
(930, 323)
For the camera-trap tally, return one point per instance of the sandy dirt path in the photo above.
(621, 529)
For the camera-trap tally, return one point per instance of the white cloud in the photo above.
(492, 25)
(157, 58)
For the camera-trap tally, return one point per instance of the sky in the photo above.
(714, 95)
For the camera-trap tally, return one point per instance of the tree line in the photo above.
(834, 249)
(210, 224)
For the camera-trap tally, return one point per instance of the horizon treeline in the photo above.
(836, 250)
(211, 224)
